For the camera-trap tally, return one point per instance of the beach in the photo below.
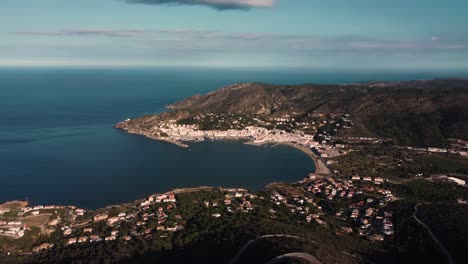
(320, 167)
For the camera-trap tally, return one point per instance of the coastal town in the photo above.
(347, 205)
(234, 132)
(317, 132)
(313, 138)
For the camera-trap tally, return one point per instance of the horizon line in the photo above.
(460, 70)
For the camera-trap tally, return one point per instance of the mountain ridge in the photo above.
(419, 113)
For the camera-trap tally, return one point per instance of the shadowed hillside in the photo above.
(421, 113)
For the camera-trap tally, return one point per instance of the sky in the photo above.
(354, 34)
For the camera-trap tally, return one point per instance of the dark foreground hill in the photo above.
(420, 113)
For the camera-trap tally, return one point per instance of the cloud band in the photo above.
(217, 4)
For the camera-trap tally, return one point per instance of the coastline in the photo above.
(320, 167)
(177, 143)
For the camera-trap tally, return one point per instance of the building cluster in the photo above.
(451, 179)
(235, 199)
(364, 140)
(328, 126)
(17, 228)
(366, 202)
(158, 198)
(41, 207)
(330, 150)
(230, 126)
(157, 215)
(14, 229)
(370, 218)
(258, 135)
(455, 150)
(145, 219)
(304, 206)
(460, 146)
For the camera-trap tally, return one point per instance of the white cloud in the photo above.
(190, 39)
(86, 32)
(217, 4)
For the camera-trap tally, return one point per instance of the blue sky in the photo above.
(364, 34)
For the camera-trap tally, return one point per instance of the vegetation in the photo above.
(218, 122)
(420, 113)
(202, 233)
(421, 190)
(450, 223)
(394, 163)
(413, 113)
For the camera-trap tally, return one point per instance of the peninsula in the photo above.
(320, 120)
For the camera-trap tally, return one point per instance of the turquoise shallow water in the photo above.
(57, 143)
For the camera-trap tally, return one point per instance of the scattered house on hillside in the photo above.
(145, 203)
(457, 180)
(94, 238)
(67, 232)
(110, 238)
(100, 217)
(43, 246)
(82, 239)
(87, 230)
(72, 241)
(435, 150)
(170, 198)
(112, 220)
(80, 212)
(379, 180)
(53, 222)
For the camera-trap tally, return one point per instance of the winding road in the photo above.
(296, 255)
(235, 259)
(438, 242)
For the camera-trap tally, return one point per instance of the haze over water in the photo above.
(58, 146)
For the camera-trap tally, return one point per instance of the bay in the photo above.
(58, 146)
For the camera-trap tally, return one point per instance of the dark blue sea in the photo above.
(58, 146)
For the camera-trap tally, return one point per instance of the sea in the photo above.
(58, 144)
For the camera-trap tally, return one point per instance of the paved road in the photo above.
(296, 255)
(253, 241)
(438, 242)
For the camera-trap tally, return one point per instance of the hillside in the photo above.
(419, 113)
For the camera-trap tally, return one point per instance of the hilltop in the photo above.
(418, 113)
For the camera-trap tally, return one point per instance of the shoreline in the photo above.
(177, 143)
(320, 167)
